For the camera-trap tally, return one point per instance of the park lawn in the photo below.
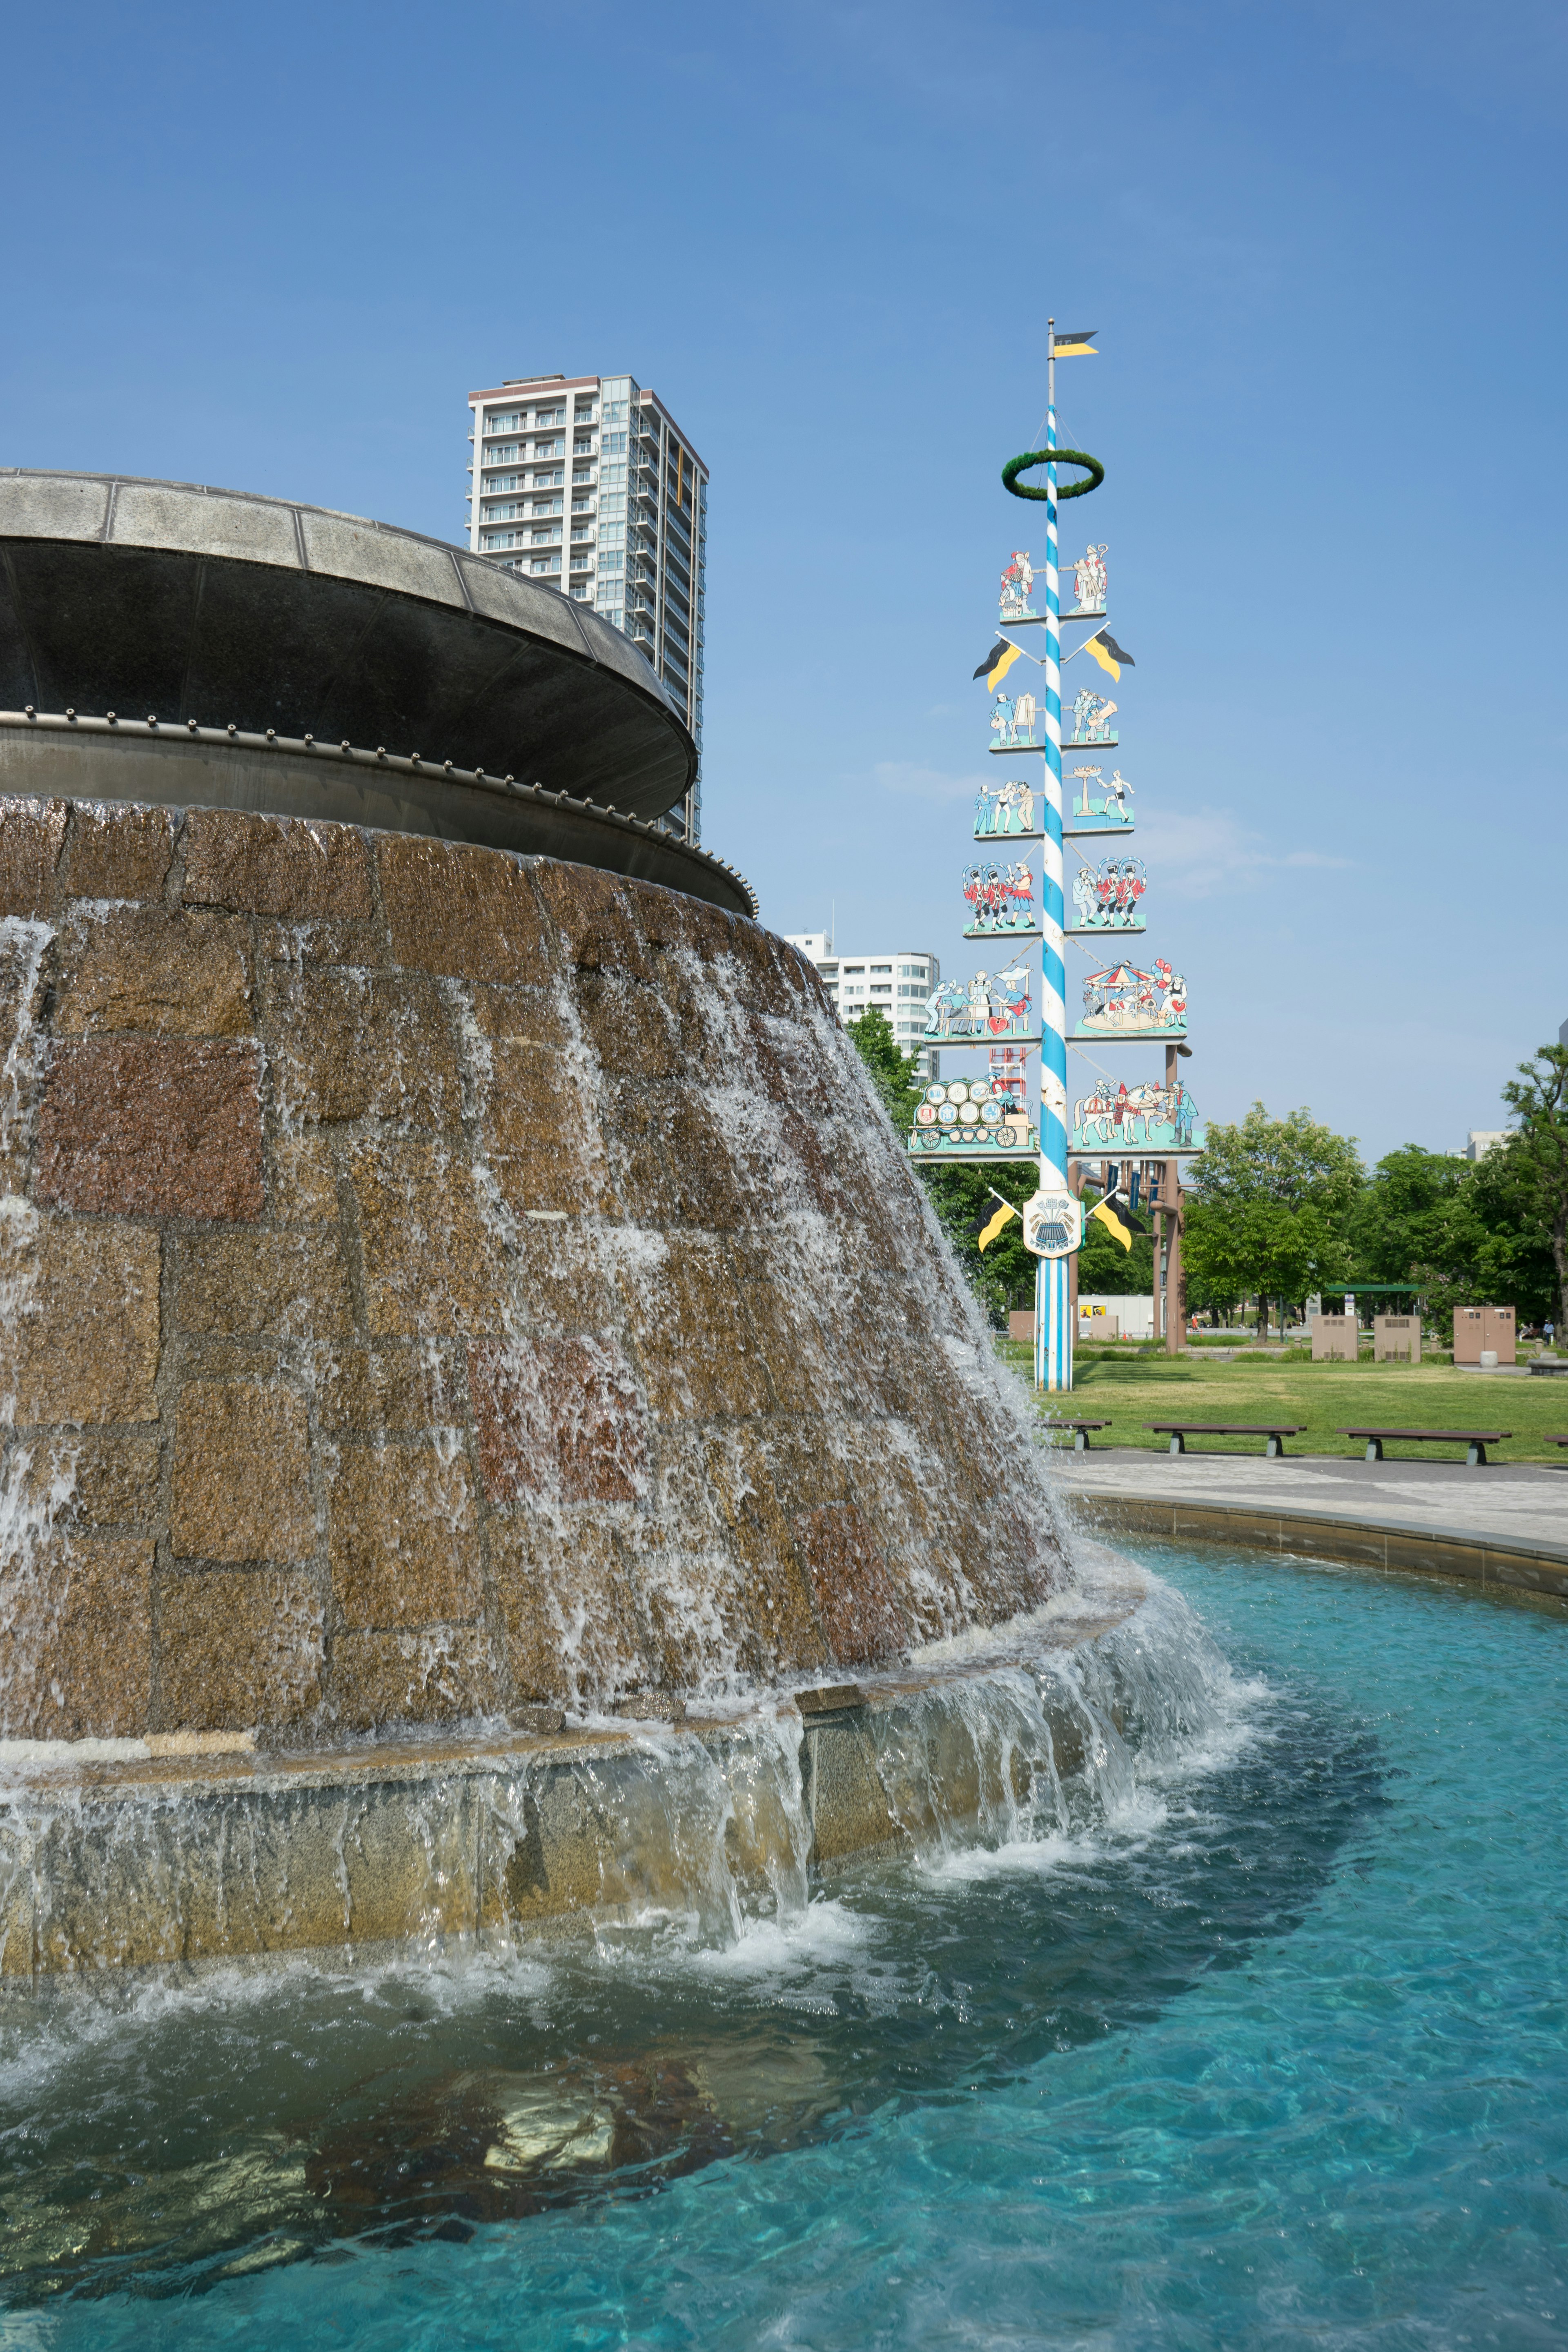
(1323, 1397)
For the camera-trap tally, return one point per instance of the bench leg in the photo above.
(1374, 1449)
(1475, 1454)
(1080, 1441)
(1274, 1448)
(1178, 1443)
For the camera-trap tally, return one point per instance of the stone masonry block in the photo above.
(403, 1538)
(144, 1127)
(238, 1649)
(176, 975)
(693, 1345)
(570, 1608)
(31, 833)
(432, 1265)
(522, 1016)
(673, 1160)
(856, 1600)
(303, 1189)
(592, 912)
(295, 1285)
(541, 1133)
(398, 1389)
(80, 1642)
(81, 1341)
(361, 1045)
(241, 1476)
(627, 1026)
(559, 1419)
(118, 852)
(455, 910)
(276, 866)
(436, 1675)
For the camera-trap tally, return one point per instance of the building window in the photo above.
(881, 967)
(880, 988)
(512, 420)
(548, 416)
(581, 448)
(547, 563)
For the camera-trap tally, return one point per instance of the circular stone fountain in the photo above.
(459, 1286)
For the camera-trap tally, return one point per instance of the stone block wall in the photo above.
(433, 1281)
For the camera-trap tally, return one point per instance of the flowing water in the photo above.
(1245, 2028)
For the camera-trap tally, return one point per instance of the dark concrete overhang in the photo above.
(180, 602)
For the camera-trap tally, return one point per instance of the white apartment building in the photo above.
(587, 484)
(899, 981)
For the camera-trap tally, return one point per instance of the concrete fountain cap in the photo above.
(170, 643)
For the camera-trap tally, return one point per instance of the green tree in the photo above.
(894, 1074)
(1271, 1202)
(1535, 1160)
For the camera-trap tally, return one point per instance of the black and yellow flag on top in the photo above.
(997, 663)
(1076, 346)
(1107, 652)
(987, 1228)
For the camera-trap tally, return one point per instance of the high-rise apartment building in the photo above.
(899, 981)
(587, 483)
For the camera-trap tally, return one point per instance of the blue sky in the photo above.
(1323, 248)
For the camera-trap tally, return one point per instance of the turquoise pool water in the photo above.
(1271, 2055)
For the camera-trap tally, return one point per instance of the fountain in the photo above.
(492, 1432)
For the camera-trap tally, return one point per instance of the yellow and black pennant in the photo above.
(997, 663)
(987, 1228)
(1105, 650)
(1076, 346)
(1111, 1221)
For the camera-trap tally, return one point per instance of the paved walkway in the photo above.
(1519, 1505)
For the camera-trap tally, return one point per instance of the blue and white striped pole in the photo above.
(1053, 1331)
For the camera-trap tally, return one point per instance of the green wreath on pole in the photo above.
(1016, 465)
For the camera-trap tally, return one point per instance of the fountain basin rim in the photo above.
(406, 1754)
(1502, 1563)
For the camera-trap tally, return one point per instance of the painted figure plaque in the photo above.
(1124, 1003)
(1108, 897)
(1150, 1118)
(990, 1008)
(999, 899)
(976, 1118)
(1009, 811)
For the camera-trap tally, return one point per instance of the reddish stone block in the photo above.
(31, 833)
(276, 864)
(152, 1129)
(558, 1418)
(854, 1591)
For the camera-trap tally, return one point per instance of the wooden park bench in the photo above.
(1275, 1432)
(1080, 1430)
(1474, 1440)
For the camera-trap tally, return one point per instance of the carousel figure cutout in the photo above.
(1125, 1001)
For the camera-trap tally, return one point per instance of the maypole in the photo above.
(1053, 1328)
